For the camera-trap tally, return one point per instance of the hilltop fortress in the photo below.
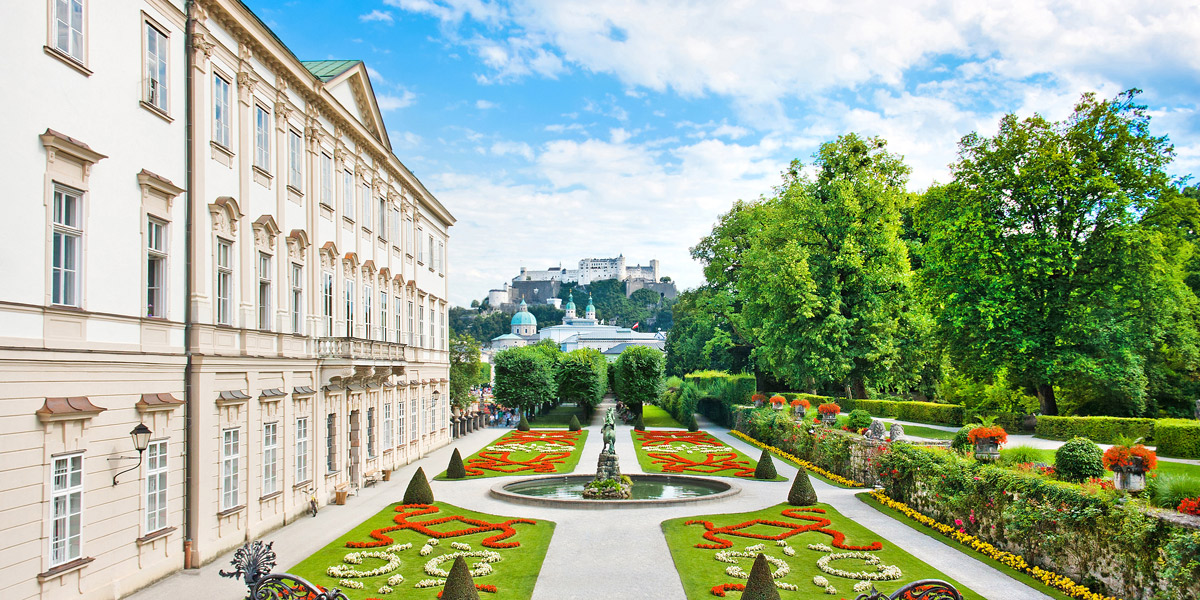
(542, 287)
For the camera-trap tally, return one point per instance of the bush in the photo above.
(859, 419)
(456, 470)
(962, 440)
(766, 467)
(524, 424)
(802, 492)
(573, 425)
(1078, 459)
(1104, 430)
(920, 412)
(459, 583)
(760, 586)
(1178, 437)
(718, 393)
(418, 491)
(1019, 455)
(1167, 491)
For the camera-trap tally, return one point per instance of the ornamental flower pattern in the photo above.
(650, 439)
(711, 464)
(503, 462)
(817, 523)
(408, 511)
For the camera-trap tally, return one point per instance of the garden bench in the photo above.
(341, 491)
(371, 477)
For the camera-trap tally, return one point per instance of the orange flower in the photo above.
(1122, 456)
(980, 433)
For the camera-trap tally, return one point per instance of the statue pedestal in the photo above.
(608, 483)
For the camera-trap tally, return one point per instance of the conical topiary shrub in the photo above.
(766, 467)
(524, 424)
(574, 424)
(693, 425)
(802, 492)
(456, 470)
(760, 586)
(418, 491)
(461, 586)
(638, 424)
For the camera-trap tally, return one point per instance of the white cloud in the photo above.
(484, 104)
(512, 148)
(389, 102)
(452, 11)
(377, 15)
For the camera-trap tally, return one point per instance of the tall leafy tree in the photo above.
(582, 377)
(639, 376)
(1041, 260)
(465, 368)
(524, 378)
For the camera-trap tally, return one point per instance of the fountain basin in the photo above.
(649, 490)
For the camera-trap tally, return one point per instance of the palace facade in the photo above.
(206, 236)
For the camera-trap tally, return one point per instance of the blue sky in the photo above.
(556, 130)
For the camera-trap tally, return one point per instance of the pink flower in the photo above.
(958, 522)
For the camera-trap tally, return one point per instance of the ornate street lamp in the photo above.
(141, 441)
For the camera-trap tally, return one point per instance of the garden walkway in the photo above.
(617, 553)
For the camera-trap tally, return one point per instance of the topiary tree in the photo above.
(574, 424)
(581, 376)
(693, 425)
(418, 491)
(456, 470)
(524, 378)
(859, 419)
(523, 425)
(1078, 459)
(802, 492)
(961, 442)
(459, 583)
(766, 467)
(760, 586)
(639, 376)
(638, 423)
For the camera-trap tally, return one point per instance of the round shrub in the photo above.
(859, 419)
(524, 424)
(802, 492)
(418, 491)
(766, 467)
(456, 470)
(1078, 459)
(574, 424)
(961, 442)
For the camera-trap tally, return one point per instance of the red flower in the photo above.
(980, 433)
(1190, 506)
(1121, 456)
(829, 408)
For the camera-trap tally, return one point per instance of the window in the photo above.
(382, 215)
(68, 234)
(156, 68)
(326, 180)
(262, 138)
(420, 247)
(156, 268)
(349, 308)
(348, 194)
(264, 290)
(327, 302)
(221, 111)
(68, 28)
(395, 231)
(224, 282)
(366, 205)
(295, 159)
(411, 328)
(156, 486)
(383, 316)
(399, 423)
(387, 425)
(442, 336)
(302, 449)
(408, 231)
(367, 311)
(297, 308)
(231, 453)
(66, 499)
(441, 257)
(399, 319)
(371, 431)
(431, 255)
(413, 424)
(331, 442)
(270, 477)
(421, 323)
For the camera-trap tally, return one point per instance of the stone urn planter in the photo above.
(987, 450)
(1131, 478)
(1129, 462)
(828, 419)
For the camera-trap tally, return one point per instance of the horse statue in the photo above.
(609, 432)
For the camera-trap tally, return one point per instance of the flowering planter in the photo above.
(798, 411)
(987, 450)
(828, 419)
(1131, 478)
(777, 406)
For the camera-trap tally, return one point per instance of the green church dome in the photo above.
(570, 302)
(524, 317)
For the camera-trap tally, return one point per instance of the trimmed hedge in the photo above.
(1102, 430)
(924, 412)
(1177, 437)
(719, 393)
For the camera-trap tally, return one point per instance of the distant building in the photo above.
(575, 332)
(544, 286)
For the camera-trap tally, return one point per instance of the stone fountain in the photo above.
(609, 484)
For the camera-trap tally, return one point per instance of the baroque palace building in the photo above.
(210, 238)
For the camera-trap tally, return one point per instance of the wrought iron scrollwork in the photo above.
(925, 589)
(253, 563)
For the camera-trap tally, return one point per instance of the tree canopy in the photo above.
(639, 375)
(524, 378)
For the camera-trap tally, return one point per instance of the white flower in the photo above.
(424, 583)
(480, 569)
(350, 584)
(882, 572)
(790, 551)
(820, 548)
(396, 579)
(862, 586)
(730, 556)
(820, 581)
(755, 548)
(426, 549)
(781, 543)
(736, 571)
(829, 589)
(431, 542)
(460, 546)
(385, 590)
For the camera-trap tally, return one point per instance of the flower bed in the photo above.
(812, 468)
(533, 452)
(811, 550)
(691, 453)
(377, 559)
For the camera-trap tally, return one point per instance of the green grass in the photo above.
(925, 432)
(995, 564)
(649, 466)
(810, 472)
(559, 416)
(658, 418)
(566, 466)
(514, 576)
(1164, 466)
(700, 571)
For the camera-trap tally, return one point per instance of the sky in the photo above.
(556, 130)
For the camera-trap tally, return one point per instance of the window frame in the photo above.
(302, 450)
(348, 194)
(371, 432)
(383, 314)
(263, 299)
(400, 422)
(156, 266)
(222, 125)
(231, 469)
(67, 491)
(349, 294)
(262, 137)
(367, 321)
(296, 310)
(326, 179)
(224, 279)
(397, 309)
(295, 160)
(270, 458)
(62, 294)
(331, 443)
(76, 45)
(366, 199)
(386, 429)
(157, 472)
(381, 228)
(327, 303)
(160, 68)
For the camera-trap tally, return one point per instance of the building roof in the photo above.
(570, 301)
(619, 348)
(507, 336)
(326, 70)
(524, 317)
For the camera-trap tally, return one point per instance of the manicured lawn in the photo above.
(700, 571)
(656, 417)
(1165, 467)
(514, 575)
(691, 453)
(533, 452)
(559, 416)
(925, 432)
(995, 564)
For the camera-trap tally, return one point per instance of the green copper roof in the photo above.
(524, 317)
(570, 302)
(328, 69)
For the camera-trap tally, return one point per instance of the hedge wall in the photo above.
(1178, 437)
(924, 412)
(1102, 430)
(719, 393)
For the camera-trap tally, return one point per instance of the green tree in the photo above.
(1042, 263)
(639, 376)
(702, 337)
(465, 368)
(524, 378)
(582, 377)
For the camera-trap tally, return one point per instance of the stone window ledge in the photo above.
(63, 569)
(154, 535)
